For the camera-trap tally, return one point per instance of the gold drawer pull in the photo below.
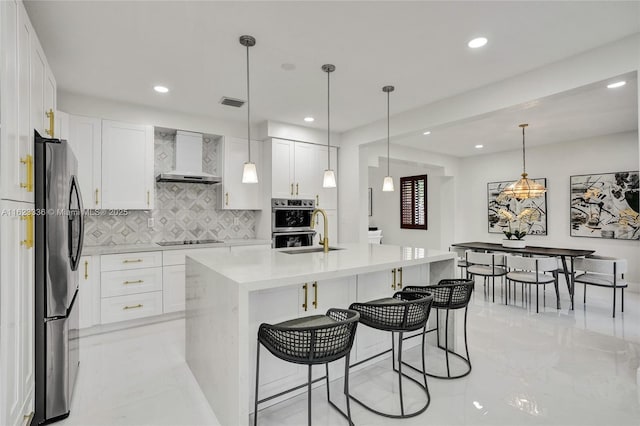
(297, 187)
(226, 201)
(400, 280)
(133, 282)
(97, 199)
(28, 241)
(315, 294)
(291, 189)
(51, 118)
(86, 269)
(139, 305)
(132, 261)
(28, 162)
(305, 305)
(148, 198)
(393, 272)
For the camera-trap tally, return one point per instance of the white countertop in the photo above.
(260, 269)
(137, 248)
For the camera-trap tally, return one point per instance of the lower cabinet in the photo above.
(277, 305)
(16, 313)
(173, 282)
(89, 291)
(132, 306)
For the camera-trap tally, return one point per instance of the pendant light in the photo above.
(387, 185)
(249, 172)
(329, 180)
(524, 188)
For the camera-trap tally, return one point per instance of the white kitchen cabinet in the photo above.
(234, 194)
(131, 306)
(85, 139)
(298, 172)
(16, 313)
(89, 291)
(127, 166)
(16, 149)
(282, 172)
(173, 281)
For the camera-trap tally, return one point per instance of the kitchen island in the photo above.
(228, 296)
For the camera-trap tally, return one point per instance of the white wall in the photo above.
(386, 205)
(556, 162)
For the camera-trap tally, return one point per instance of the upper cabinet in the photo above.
(235, 195)
(298, 171)
(85, 138)
(127, 166)
(28, 93)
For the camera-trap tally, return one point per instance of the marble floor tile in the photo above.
(558, 367)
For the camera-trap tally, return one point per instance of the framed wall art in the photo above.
(529, 215)
(605, 205)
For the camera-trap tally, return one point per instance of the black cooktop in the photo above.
(188, 242)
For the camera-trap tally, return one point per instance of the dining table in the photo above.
(562, 253)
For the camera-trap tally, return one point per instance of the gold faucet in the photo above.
(324, 242)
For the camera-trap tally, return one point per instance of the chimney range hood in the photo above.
(188, 161)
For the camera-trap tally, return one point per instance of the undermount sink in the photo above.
(309, 250)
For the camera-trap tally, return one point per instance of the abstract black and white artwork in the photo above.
(605, 206)
(528, 215)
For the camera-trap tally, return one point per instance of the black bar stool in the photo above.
(404, 312)
(448, 295)
(317, 339)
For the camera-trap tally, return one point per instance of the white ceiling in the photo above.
(585, 112)
(119, 50)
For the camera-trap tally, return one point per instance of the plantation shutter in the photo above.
(413, 202)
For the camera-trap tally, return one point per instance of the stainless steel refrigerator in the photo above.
(59, 229)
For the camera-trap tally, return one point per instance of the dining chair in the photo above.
(602, 271)
(534, 271)
(486, 265)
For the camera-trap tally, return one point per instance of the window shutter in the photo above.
(413, 202)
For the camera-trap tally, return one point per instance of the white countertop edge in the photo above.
(138, 248)
(284, 281)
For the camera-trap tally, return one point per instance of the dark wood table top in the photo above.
(545, 251)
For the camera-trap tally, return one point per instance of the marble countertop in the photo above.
(136, 248)
(261, 269)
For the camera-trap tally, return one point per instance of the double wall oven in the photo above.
(291, 222)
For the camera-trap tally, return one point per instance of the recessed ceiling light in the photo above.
(160, 89)
(616, 84)
(309, 119)
(479, 146)
(477, 42)
(427, 133)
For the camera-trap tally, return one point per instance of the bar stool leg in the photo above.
(536, 298)
(400, 372)
(255, 406)
(346, 386)
(446, 342)
(309, 397)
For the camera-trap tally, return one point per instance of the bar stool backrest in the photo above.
(532, 264)
(321, 343)
(488, 259)
(410, 313)
(601, 265)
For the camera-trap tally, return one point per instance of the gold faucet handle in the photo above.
(320, 240)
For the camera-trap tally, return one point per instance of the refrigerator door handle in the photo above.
(73, 216)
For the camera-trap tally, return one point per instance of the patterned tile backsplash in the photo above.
(182, 211)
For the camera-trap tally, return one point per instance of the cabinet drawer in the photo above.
(133, 281)
(119, 262)
(132, 306)
(176, 257)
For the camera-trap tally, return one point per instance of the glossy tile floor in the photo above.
(556, 367)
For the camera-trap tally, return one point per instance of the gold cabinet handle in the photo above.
(28, 241)
(315, 294)
(86, 269)
(28, 162)
(306, 296)
(132, 261)
(292, 189)
(148, 198)
(226, 199)
(317, 200)
(139, 305)
(97, 199)
(133, 282)
(400, 280)
(297, 185)
(393, 272)
(51, 118)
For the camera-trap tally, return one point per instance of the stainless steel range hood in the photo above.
(188, 161)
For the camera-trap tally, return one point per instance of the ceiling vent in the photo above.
(232, 102)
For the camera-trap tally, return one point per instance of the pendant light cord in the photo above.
(388, 143)
(248, 108)
(524, 168)
(328, 120)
